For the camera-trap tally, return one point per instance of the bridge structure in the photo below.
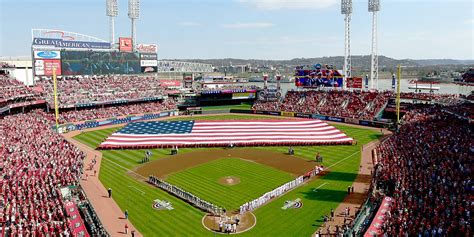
(177, 66)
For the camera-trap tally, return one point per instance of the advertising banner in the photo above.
(170, 83)
(125, 44)
(164, 114)
(375, 228)
(287, 114)
(148, 63)
(188, 80)
(76, 222)
(355, 82)
(273, 113)
(45, 67)
(59, 43)
(243, 95)
(51, 64)
(39, 67)
(148, 56)
(47, 54)
(99, 63)
(352, 120)
(373, 124)
(335, 119)
(320, 117)
(147, 48)
(301, 115)
(149, 69)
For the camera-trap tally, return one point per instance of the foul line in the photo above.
(139, 190)
(342, 160)
(129, 170)
(320, 186)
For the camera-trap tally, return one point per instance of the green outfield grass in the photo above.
(255, 180)
(136, 196)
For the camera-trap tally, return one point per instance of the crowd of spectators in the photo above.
(11, 89)
(98, 89)
(465, 110)
(441, 98)
(357, 104)
(6, 65)
(35, 162)
(116, 111)
(429, 164)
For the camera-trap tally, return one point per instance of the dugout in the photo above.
(193, 110)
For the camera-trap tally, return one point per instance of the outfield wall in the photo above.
(375, 124)
(65, 128)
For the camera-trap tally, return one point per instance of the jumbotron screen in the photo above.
(318, 76)
(99, 63)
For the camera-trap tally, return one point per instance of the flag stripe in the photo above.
(245, 132)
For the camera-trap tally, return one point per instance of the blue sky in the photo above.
(259, 29)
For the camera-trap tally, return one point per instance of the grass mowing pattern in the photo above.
(255, 180)
(185, 220)
(272, 221)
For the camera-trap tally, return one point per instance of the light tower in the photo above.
(133, 14)
(346, 10)
(374, 7)
(112, 12)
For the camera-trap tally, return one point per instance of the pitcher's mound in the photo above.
(229, 180)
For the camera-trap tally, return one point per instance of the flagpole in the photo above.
(398, 93)
(56, 109)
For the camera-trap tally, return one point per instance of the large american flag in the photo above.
(224, 133)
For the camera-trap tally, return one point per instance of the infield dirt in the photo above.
(172, 164)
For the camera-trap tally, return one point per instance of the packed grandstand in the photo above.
(425, 166)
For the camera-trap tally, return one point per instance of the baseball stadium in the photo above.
(103, 138)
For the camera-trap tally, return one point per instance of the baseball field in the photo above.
(229, 178)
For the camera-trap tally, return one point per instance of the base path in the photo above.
(108, 211)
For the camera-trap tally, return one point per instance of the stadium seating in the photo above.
(35, 163)
(440, 98)
(361, 105)
(6, 65)
(465, 110)
(11, 89)
(116, 111)
(429, 162)
(100, 89)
